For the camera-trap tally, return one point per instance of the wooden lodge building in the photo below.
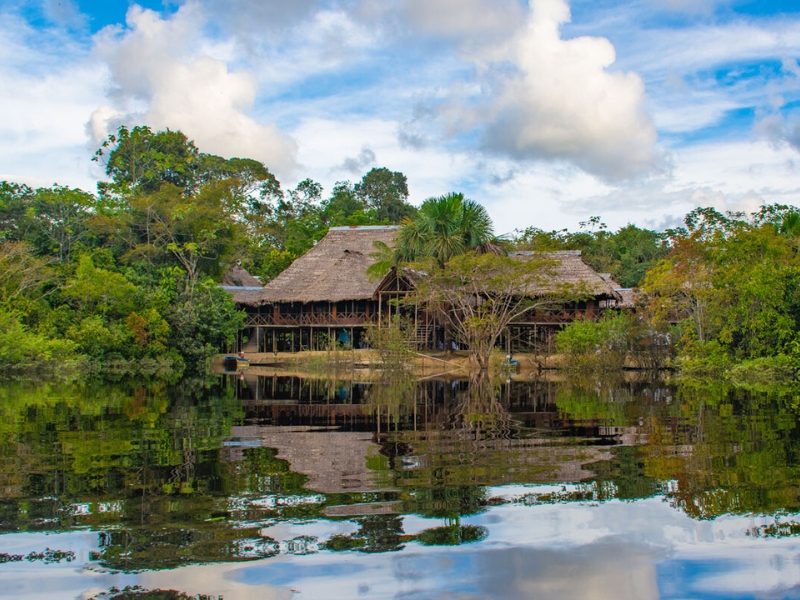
(326, 295)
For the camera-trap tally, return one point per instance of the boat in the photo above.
(510, 365)
(235, 363)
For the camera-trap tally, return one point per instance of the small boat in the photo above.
(235, 363)
(510, 365)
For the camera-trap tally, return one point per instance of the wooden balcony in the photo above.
(347, 319)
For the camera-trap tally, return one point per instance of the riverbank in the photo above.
(369, 364)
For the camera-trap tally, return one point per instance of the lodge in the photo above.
(327, 296)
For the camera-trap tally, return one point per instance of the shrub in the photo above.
(595, 344)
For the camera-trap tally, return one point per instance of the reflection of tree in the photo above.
(479, 412)
(452, 535)
(376, 533)
(393, 397)
(147, 465)
(136, 592)
(599, 399)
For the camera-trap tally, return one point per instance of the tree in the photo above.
(139, 160)
(478, 295)
(22, 274)
(198, 231)
(345, 207)
(733, 282)
(14, 204)
(445, 227)
(626, 254)
(386, 192)
(59, 220)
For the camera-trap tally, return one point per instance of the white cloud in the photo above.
(160, 63)
(48, 87)
(553, 98)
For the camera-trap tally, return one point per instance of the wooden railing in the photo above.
(356, 319)
(349, 319)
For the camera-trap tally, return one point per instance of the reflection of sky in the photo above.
(631, 550)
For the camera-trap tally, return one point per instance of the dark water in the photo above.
(283, 487)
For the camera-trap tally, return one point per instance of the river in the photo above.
(279, 486)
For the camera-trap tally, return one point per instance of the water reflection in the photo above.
(253, 468)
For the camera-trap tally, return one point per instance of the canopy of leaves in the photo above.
(733, 279)
(626, 254)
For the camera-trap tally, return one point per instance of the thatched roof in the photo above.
(238, 276)
(238, 282)
(333, 270)
(569, 269)
(627, 295)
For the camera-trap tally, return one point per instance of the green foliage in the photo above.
(203, 324)
(626, 254)
(446, 227)
(139, 160)
(734, 284)
(393, 341)
(386, 193)
(94, 290)
(24, 350)
(613, 342)
(452, 535)
(478, 295)
(601, 343)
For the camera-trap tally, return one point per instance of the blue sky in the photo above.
(547, 112)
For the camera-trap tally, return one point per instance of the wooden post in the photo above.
(380, 308)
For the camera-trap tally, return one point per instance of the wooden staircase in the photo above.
(423, 336)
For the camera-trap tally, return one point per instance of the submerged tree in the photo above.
(479, 295)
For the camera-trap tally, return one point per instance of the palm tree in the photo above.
(444, 227)
(790, 225)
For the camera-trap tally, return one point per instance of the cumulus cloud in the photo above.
(555, 98)
(163, 76)
(47, 88)
(777, 128)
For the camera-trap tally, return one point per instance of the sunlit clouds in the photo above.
(547, 112)
(159, 65)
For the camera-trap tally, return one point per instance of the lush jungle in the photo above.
(126, 279)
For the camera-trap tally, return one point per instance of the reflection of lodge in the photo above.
(326, 297)
(355, 406)
(332, 430)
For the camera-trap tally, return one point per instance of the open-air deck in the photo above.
(326, 297)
